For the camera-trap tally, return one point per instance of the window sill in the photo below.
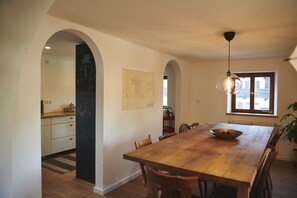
(253, 114)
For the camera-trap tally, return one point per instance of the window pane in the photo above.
(257, 94)
(165, 92)
(262, 93)
(243, 96)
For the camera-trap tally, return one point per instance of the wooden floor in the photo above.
(284, 178)
(55, 185)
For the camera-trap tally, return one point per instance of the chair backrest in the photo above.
(184, 127)
(142, 143)
(139, 144)
(276, 134)
(167, 136)
(170, 185)
(194, 125)
(260, 180)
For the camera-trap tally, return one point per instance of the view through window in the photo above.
(165, 91)
(256, 95)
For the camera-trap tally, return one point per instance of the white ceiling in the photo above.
(62, 44)
(192, 29)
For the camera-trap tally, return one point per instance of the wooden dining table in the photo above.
(197, 152)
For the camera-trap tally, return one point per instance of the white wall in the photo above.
(17, 31)
(57, 82)
(119, 128)
(207, 104)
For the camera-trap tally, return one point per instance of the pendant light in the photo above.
(229, 83)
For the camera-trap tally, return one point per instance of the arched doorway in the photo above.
(171, 97)
(98, 110)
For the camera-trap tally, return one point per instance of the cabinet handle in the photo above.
(71, 118)
(71, 125)
(70, 138)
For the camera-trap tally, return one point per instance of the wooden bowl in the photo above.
(225, 133)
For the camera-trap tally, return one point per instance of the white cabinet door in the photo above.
(63, 119)
(57, 134)
(63, 130)
(63, 144)
(46, 143)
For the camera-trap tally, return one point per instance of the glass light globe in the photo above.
(229, 83)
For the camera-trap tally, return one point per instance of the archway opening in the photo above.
(171, 100)
(59, 90)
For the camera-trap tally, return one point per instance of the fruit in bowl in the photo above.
(225, 133)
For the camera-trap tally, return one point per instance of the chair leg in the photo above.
(268, 187)
(200, 189)
(203, 192)
(270, 180)
(264, 194)
(205, 189)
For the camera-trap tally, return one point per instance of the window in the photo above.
(165, 91)
(256, 95)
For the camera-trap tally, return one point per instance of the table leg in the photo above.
(243, 192)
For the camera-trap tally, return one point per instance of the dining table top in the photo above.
(197, 152)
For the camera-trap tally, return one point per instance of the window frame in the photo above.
(251, 110)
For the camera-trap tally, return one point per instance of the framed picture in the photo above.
(138, 89)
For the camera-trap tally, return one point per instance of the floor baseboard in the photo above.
(116, 185)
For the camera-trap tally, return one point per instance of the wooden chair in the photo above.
(259, 189)
(184, 127)
(260, 182)
(139, 144)
(171, 186)
(167, 136)
(276, 134)
(194, 125)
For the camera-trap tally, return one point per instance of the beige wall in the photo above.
(207, 104)
(57, 82)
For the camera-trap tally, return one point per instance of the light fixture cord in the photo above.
(229, 59)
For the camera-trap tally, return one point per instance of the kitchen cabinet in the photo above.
(58, 134)
(46, 145)
(63, 133)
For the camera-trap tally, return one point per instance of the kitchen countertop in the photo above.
(56, 114)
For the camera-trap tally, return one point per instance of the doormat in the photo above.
(62, 164)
